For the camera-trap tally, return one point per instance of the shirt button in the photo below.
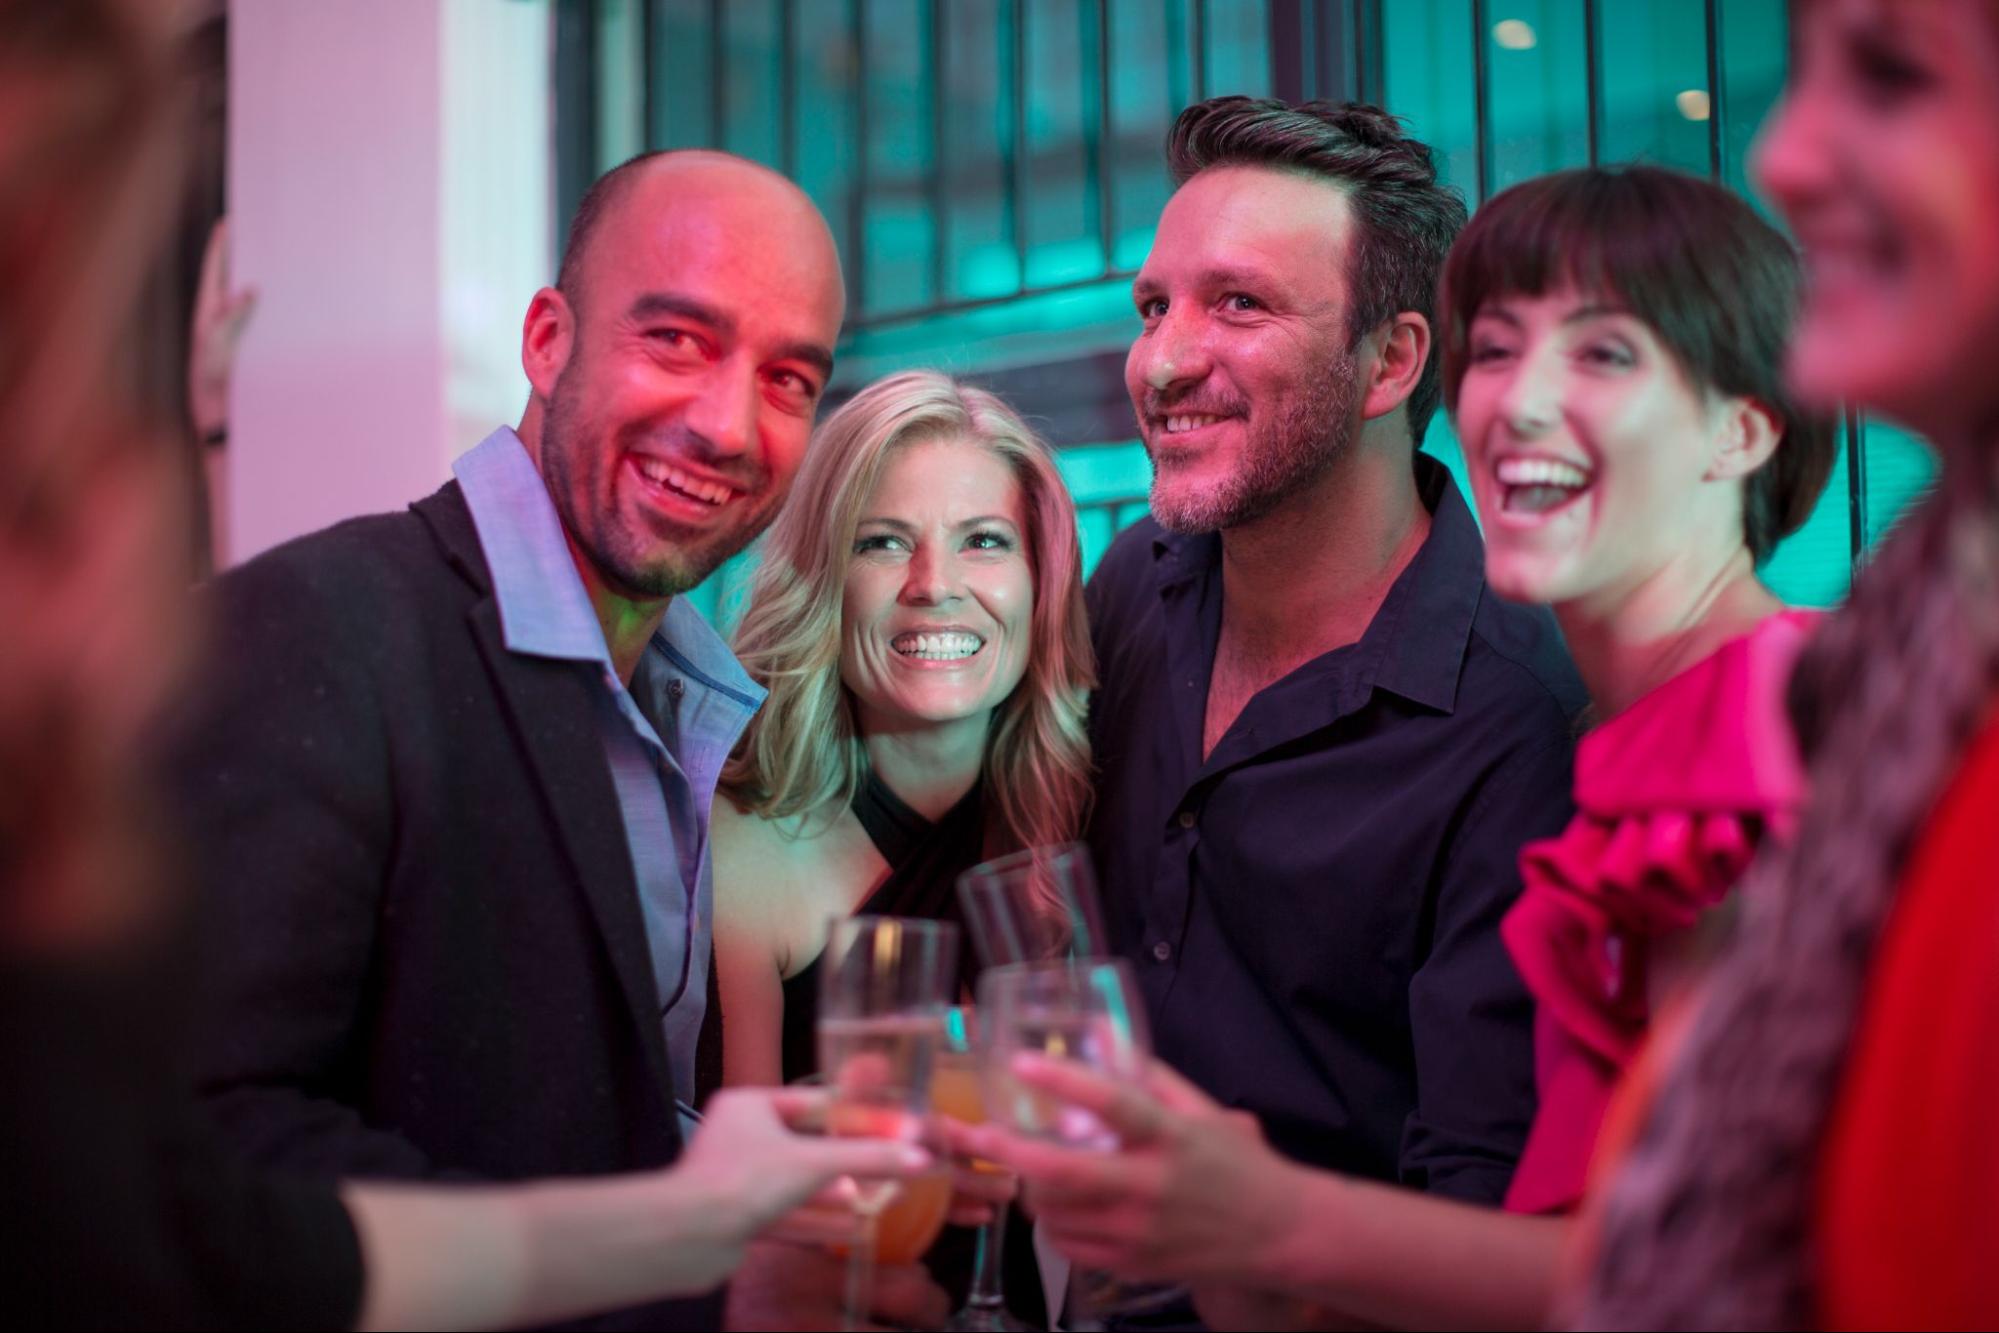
(1162, 951)
(1186, 819)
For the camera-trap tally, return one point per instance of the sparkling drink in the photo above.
(1060, 1033)
(874, 1068)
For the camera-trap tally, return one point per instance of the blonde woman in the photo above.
(918, 620)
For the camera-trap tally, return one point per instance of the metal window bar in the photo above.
(1197, 50)
(1715, 97)
(787, 87)
(857, 188)
(1014, 42)
(1481, 62)
(939, 49)
(718, 75)
(647, 109)
(576, 109)
(1593, 76)
(1367, 79)
(1098, 140)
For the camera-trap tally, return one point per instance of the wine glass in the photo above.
(884, 983)
(957, 1089)
(1034, 906)
(1084, 1009)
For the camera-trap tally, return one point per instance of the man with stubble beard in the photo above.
(1322, 739)
(448, 793)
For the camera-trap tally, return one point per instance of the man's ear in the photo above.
(1402, 349)
(548, 334)
(1749, 434)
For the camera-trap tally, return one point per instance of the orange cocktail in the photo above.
(908, 1227)
(958, 1089)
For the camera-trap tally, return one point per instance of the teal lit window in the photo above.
(992, 169)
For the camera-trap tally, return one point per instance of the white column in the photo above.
(390, 198)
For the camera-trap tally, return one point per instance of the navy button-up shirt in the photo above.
(1314, 909)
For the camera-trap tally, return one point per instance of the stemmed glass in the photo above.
(957, 1089)
(1040, 907)
(1032, 906)
(883, 987)
(1088, 1010)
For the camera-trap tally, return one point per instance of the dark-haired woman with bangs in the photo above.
(1613, 347)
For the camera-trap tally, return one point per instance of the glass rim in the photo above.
(1027, 856)
(914, 925)
(1061, 966)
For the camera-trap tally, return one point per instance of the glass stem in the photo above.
(986, 1271)
(861, 1276)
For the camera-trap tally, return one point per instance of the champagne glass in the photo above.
(884, 984)
(957, 1089)
(1034, 906)
(1084, 1009)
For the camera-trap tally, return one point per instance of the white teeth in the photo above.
(665, 474)
(1188, 421)
(944, 646)
(1539, 472)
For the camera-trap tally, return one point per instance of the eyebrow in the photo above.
(1504, 313)
(901, 526)
(651, 305)
(1145, 285)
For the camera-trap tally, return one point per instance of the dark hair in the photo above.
(590, 211)
(1407, 219)
(1717, 283)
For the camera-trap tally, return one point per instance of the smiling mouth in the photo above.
(1179, 423)
(671, 479)
(1538, 486)
(938, 645)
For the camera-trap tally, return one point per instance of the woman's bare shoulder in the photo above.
(770, 860)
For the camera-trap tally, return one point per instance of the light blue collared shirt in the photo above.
(665, 738)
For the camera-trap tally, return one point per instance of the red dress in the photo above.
(1672, 796)
(1907, 1219)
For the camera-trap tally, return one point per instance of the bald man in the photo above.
(449, 788)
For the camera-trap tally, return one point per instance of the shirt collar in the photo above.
(544, 609)
(1427, 616)
(1415, 645)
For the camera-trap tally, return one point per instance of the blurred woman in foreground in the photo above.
(130, 1213)
(1821, 1153)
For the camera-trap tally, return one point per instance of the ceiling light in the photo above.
(1513, 34)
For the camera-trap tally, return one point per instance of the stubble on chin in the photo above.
(1307, 437)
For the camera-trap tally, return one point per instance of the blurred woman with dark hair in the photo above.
(1821, 1151)
(1613, 345)
(126, 1212)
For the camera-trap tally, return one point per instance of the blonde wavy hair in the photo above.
(801, 755)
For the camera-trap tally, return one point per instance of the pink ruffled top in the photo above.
(1671, 797)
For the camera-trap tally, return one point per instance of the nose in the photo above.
(1532, 401)
(723, 414)
(1174, 351)
(1792, 159)
(931, 577)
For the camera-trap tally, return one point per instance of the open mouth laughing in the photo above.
(1537, 487)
